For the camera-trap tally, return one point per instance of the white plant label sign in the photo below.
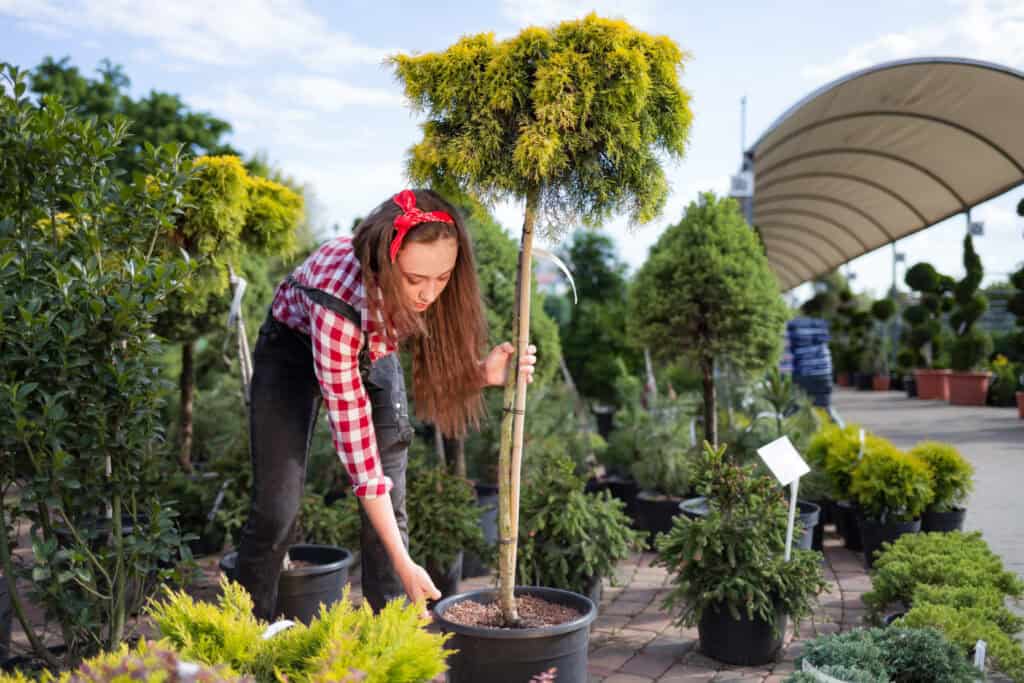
(783, 460)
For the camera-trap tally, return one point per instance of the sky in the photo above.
(305, 83)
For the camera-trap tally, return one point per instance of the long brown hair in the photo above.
(447, 340)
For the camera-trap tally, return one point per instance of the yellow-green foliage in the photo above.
(225, 633)
(147, 661)
(951, 472)
(220, 200)
(836, 449)
(274, 211)
(577, 115)
(890, 483)
(340, 643)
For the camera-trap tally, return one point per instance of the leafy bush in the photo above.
(965, 627)
(1006, 383)
(444, 518)
(341, 643)
(336, 524)
(847, 674)
(900, 655)
(889, 483)
(951, 473)
(836, 451)
(733, 557)
(567, 537)
(80, 395)
(937, 559)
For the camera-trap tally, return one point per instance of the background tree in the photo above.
(707, 291)
(594, 337)
(971, 346)
(924, 338)
(572, 121)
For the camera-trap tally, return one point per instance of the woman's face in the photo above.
(425, 269)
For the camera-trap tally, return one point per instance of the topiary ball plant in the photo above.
(890, 484)
(951, 474)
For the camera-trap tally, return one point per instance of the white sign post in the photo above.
(786, 464)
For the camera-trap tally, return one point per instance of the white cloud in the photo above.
(44, 29)
(545, 12)
(225, 32)
(991, 30)
(331, 95)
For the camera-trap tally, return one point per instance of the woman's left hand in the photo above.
(497, 362)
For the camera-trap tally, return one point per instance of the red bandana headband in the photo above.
(411, 217)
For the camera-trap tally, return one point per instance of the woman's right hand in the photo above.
(417, 584)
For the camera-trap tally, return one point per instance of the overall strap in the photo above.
(342, 308)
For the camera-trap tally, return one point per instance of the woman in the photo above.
(406, 277)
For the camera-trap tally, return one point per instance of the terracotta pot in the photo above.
(1020, 404)
(932, 385)
(843, 379)
(968, 388)
(880, 382)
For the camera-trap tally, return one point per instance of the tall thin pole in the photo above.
(743, 125)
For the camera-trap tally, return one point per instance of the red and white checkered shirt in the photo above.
(334, 269)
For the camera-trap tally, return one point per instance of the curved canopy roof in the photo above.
(883, 153)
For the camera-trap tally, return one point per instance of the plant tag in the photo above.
(979, 656)
(782, 459)
(276, 628)
(860, 455)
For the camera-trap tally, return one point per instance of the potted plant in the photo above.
(444, 521)
(882, 310)
(892, 488)
(836, 450)
(968, 385)
(951, 481)
(510, 119)
(570, 539)
(728, 569)
(1016, 306)
(664, 471)
(925, 334)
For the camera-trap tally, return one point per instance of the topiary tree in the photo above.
(573, 121)
(971, 347)
(707, 291)
(924, 336)
(882, 311)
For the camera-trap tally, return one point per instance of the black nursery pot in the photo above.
(743, 642)
(846, 524)
(516, 655)
(302, 590)
(655, 512)
(875, 534)
(953, 520)
(808, 513)
(625, 489)
(910, 386)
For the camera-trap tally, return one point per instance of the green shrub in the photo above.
(341, 643)
(444, 519)
(900, 655)
(965, 627)
(987, 602)
(733, 558)
(336, 524)
(836, 450)
(951, 473)
(847, 674)
(889, 483)
(568, 537)
(937, 559)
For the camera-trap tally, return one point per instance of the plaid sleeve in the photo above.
(336, 342)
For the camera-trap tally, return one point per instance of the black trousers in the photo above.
(285, 399)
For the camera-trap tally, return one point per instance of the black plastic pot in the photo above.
(30, 665)
(447, 578)
(595, 590)
(516, 655)
(605, 416)
(694, 508)
(889, 618)
(6, 619)
(808, 513)
(863, 380)
(952, 520)
(910, 386)
(746, 642)
(625, 489)
(846, 524)
(301, 591)
(487, 501)
(655, 512)
(875, 534)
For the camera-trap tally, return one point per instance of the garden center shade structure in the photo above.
(883, 153)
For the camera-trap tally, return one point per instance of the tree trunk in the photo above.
(510, 458)
(439, 448)
(187, 384)
(707, 366)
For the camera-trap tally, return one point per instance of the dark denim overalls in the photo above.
(285, 400)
